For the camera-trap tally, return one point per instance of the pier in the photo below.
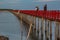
(40, 23)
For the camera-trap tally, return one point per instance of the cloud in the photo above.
(43, 0)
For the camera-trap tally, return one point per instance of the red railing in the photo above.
(49, 14)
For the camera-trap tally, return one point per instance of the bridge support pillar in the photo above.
(42, 29)
(57, 31)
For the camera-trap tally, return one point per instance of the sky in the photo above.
(30, 4)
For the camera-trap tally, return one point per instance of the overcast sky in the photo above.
(30, 4)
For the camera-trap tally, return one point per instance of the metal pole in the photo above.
(38, 29)
(59, 30)
(34, 26)
(50, 30)
(45, 29)
(42, 29)
(56, 31)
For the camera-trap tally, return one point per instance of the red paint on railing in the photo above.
(49, 14)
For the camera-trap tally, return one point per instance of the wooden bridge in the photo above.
(40, 22)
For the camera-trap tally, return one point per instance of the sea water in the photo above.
(10, 26)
